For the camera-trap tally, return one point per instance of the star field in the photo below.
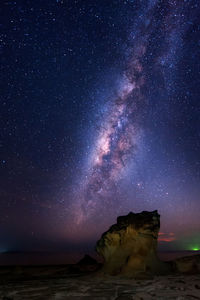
(99, 117)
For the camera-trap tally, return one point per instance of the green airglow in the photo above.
(195, 249)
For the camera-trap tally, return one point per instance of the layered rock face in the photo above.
(130, 247)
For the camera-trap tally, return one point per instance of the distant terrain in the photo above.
(60, 258)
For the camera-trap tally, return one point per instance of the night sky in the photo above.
(100, 116)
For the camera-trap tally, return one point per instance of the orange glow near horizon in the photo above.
(166, 237)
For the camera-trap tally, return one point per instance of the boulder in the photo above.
(86, 264)
(129, 247)
(187, 264)
(87, 260)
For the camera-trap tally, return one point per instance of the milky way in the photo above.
(100, 117)
(121, 128)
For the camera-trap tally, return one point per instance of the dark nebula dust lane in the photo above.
(100, 117)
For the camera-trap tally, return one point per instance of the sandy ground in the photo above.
(91, 287)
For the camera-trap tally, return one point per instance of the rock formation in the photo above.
(187, 264)
(87, 260)
(86, 264)
(130, 247)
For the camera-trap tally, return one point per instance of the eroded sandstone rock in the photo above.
(130, 247)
